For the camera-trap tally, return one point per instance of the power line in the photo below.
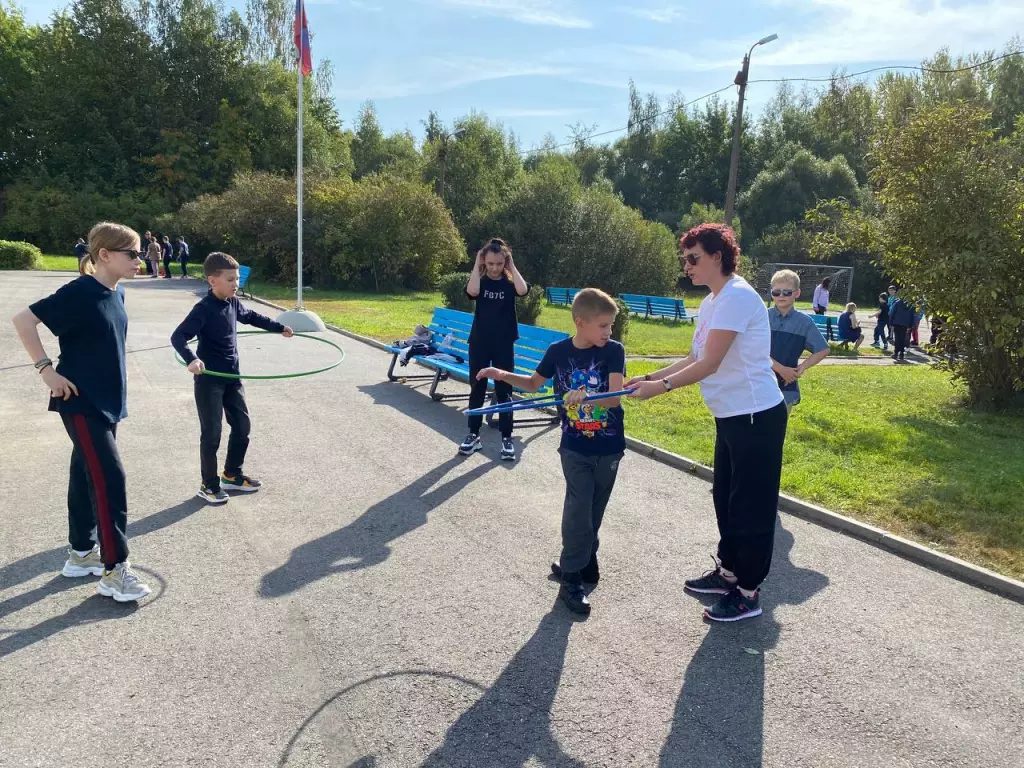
(930, 70)
(829, 79)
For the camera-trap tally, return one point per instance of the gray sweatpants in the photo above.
(588, 486)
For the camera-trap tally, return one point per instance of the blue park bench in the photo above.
(561, 295)
(533, 343)
(828, 328)
(243, 279)
(656, 306)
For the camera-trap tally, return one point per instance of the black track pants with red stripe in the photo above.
(97, 501)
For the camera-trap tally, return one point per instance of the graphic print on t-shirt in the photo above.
(588, 419)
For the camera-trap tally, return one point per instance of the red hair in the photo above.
(715, 238)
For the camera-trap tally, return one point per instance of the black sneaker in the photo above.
(735, 606)
(471, 444)
(212, 495)
(590, 575)
(240, 482)
(711, 583)
(508, 451)
(575, 598)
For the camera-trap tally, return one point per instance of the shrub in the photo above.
(17, 255)
(528, 307)
(453, 291)
(620, 328)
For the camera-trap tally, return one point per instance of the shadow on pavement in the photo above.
(719, 716)
(364, 542)
(52, 560)
(412, 400)
(93, 609)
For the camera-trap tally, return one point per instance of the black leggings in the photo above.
(97, 501)
(484, 353)
(748, 470)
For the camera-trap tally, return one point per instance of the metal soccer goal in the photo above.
(840, 290)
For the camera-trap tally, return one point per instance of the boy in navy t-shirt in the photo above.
(593, 436)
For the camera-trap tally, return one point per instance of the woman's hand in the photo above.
(494, 374)
(59, 386)
(480, 256)
(645, 390)
(574, 397)
(635, 380)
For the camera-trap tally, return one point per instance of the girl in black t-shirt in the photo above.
(494, 285)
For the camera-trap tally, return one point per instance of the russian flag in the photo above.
(301, 32)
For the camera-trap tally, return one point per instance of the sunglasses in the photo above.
(690, 258)
(131, 253)
(787, 292)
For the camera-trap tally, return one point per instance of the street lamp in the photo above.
(734, 163)
(442, 155)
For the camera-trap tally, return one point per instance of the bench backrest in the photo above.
(243, 276)
(530, 348)
(655, 306)
(824, 323)
(561, 295)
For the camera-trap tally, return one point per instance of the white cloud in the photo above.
(664, 14)
(434, 75)
(842, 32)
(540, 12)
(529, 112)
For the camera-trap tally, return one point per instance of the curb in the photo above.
(951, 566)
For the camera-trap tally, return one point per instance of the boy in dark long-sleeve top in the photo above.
(214, 320)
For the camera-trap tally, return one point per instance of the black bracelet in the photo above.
(46, 364)
(647, 377)
(40, 364)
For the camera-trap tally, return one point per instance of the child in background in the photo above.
(167, 252)
(849, 327)
(214, 320)
(882, 322)
(593, 436)
(792, 333)
(88, 388)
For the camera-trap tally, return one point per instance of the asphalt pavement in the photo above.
(383, 602)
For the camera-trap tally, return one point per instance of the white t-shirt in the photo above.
(744, 382)
(820, 296)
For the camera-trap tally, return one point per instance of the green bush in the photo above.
(453, 291)
(16, 255)
(528, 307)
(620, 328)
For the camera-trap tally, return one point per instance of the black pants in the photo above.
(589, 481)
(748, 469)
(484, 353)
(167, 266)
(900, 338)
(216, 400)
(184, 267)
(97, 501)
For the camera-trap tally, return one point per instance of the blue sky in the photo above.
(540, 65)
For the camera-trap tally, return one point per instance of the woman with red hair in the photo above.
(731, 361)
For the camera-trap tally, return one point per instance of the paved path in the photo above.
(383, 603)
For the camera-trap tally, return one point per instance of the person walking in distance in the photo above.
(821, 298)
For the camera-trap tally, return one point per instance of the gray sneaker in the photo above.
(122, 584)
(78, 566)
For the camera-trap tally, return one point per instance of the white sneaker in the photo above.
(470, 445)
(122, 584)
(78, 566)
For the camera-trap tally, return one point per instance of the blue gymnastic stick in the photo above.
(541, 402)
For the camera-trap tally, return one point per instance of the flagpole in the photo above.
(299, 319)
(298, 304)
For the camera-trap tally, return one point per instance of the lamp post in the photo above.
(734, 163)
(442, 155)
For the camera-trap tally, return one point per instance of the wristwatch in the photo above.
(667, 383)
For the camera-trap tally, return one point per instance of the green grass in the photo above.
(892, 448)
(51, 263)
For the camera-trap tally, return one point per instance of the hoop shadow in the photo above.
(511, 723)
(365, 541)
(719, 716)
(93, 609)
(50, 561)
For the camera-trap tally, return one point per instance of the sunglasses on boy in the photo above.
(787, 292)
